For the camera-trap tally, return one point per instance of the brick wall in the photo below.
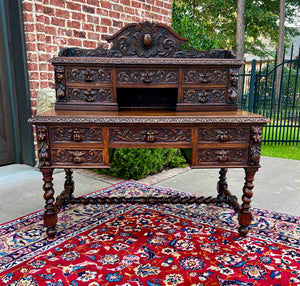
(53, 24)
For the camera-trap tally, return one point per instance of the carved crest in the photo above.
(147, 40)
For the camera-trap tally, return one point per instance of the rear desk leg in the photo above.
(245, 214)
(69, 183)
(50, 216)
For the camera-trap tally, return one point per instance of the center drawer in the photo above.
(130, 135)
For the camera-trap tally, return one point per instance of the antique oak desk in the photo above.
(146, 92)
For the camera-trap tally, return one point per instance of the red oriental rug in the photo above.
(131, 245)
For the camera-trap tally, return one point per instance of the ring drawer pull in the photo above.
(149, 136)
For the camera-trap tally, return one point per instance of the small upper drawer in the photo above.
(89, 95)
(146, 76)
(76, 134)
(150, 135)
(203, 76)
(100, 75)
(212, 134)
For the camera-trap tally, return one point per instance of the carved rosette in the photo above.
(144, 76)
(60, 83)
(222, 156)
(43, 146)
(205, 76)
(204, 96)
(76, 134)
(255, 145)
(90, 95)
(233, 85)
(89, 75)
(150, 135)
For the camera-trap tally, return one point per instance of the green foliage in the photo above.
(183, 24)
(281, 151)
(217, 20)
(140, 163)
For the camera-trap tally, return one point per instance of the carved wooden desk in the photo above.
(68, 139)
(147, 92)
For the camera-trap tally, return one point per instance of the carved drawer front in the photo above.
(95, 75)
(149, 77)
(89, 95)
(80, 156)
(149, 135)
(204, 76)
(76, 134)
(204, 95)
(207, 135)
(222, 156)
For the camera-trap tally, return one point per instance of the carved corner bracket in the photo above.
(43, 146)
(255, 145)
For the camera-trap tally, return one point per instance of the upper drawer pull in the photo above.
(223, 136)
(150, 136)
(77, 135)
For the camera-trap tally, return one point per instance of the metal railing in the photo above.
(272, 89)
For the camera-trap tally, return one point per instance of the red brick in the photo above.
(73, 24)
(39, 8)
(101, 29)
(157, 17)
(168, 6)
(73, 6)
(89, 44)
(79, 34)
(87, 27)
(58, 22)
(28, 17)
(46, 20)
(48, 11)
(28, 7)
(41, 46)
(118, 24)
(29, 37)
(40, 18)
(115, 15)
(106, 22)
(78, 16)
(34, 84)
(126, 17)
(106, 4)
(62, 13)
(129, 10)
(52, 30)
(44, 84)
(159, 3)
(31, 57)
(44, 57)
(151, 2)
(58, 3)
(125, 2)
(44, 76)
(118, 7)
(93, 36)
(102, 12)
(136, 4)
(29, 27)
(43, 66)
(30, 47)
(92, 19)
(74, 42)
(93, 2)
(88, 9)
(33, 75)
(60, 41)
(40, 37)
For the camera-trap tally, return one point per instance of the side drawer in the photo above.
(89, 94)
(87, 74)
(218, 135)
(150, 135)
(81, 156)
(205, 76)
(91, 134)
(222, 156)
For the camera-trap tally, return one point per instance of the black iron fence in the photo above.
(272, 88)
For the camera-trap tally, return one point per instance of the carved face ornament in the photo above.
(256, 134)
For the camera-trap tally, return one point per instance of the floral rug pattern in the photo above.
(128, 245)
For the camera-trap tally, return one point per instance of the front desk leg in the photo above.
(50, 216)
(222, 184)
(245, 213)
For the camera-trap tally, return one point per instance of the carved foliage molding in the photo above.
(205, 76)
(255, 145)
(77, 156)
(167, 135)
(90, 95)
(222, 156)
(147, 76)
(76, 134)
(43, 146)
(204, 95)
(89, 75)
(146, 40)
(223, 134)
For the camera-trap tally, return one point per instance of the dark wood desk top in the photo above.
(147, 116)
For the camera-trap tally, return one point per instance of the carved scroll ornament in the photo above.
(60, 81)
(146, 40)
